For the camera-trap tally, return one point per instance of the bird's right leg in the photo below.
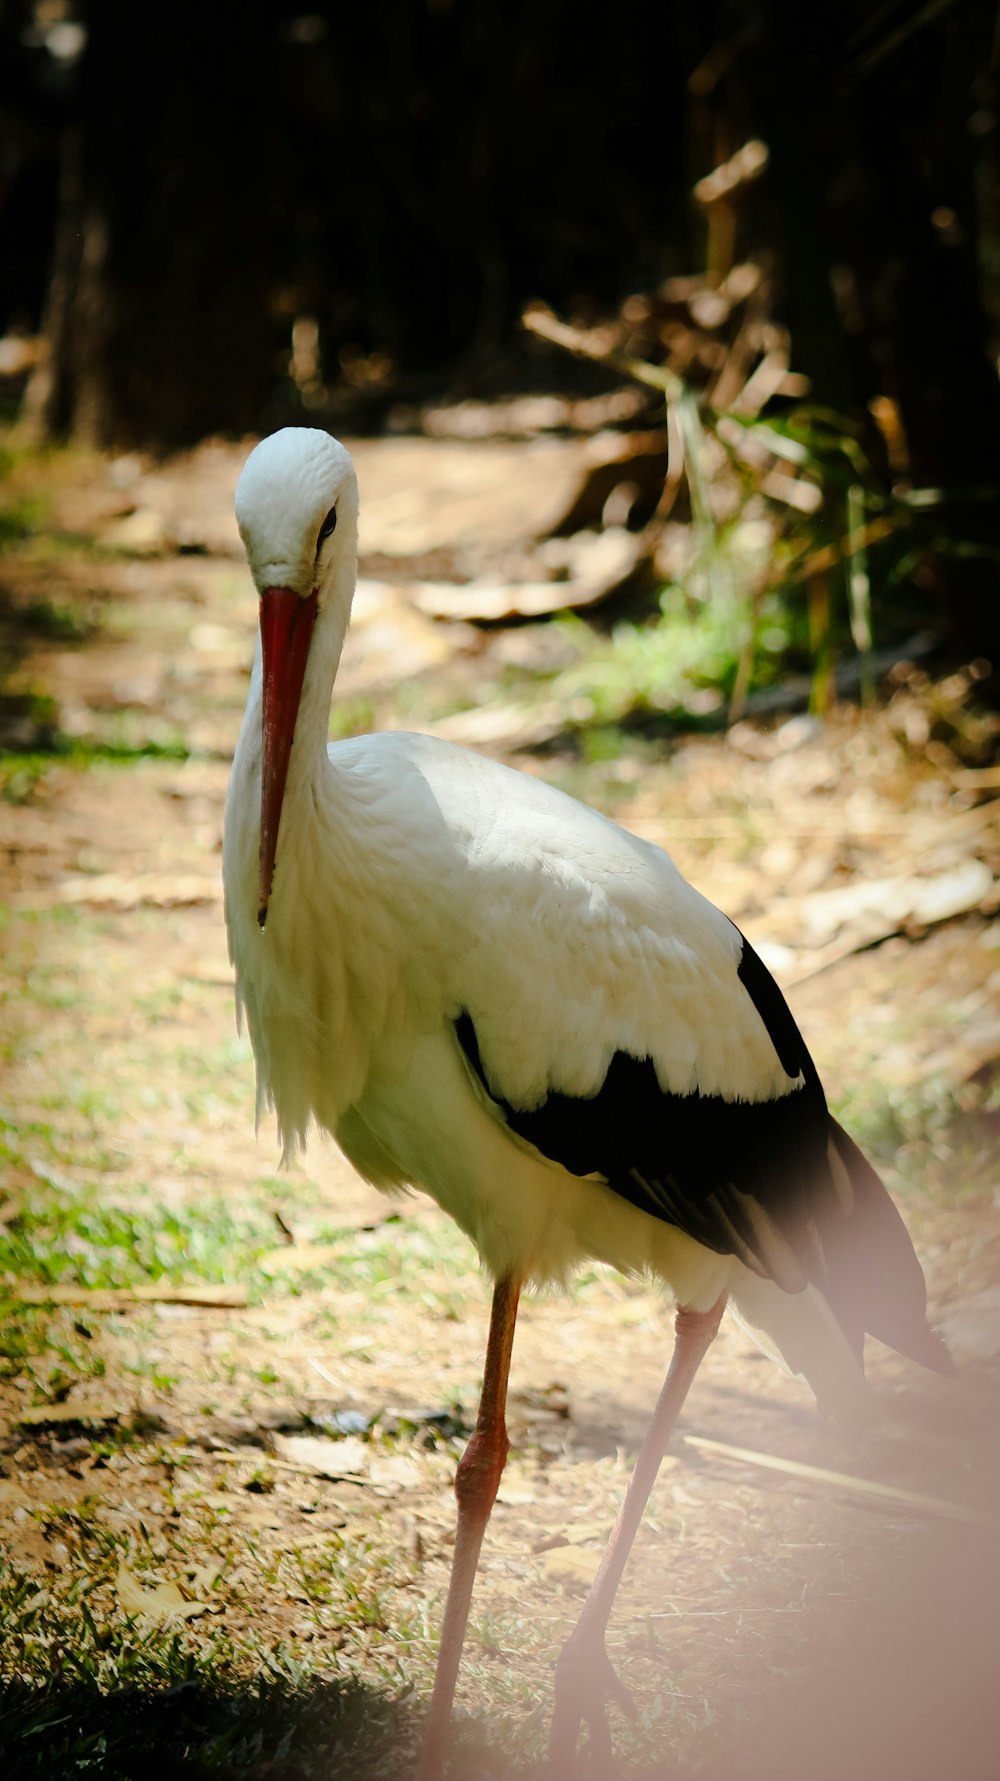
(585, 1680)
(476, 1483)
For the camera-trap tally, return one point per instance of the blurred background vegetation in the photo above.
(781, 224)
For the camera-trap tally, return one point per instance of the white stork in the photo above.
(484, 989)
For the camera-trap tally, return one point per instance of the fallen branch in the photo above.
(742, 169)
(113, 890)
(910, 1499)
(595, 344)
(260, 1456)
(100, 1298)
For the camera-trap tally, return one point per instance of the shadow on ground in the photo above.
(252, 1732)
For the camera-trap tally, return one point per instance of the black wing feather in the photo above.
(752, 1179)
(732, 1174)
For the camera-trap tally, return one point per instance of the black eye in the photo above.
(329, 525)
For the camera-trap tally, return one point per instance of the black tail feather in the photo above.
(875, 1282)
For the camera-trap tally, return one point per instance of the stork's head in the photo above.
(297, 510)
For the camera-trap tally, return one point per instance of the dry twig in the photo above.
(892, 1493)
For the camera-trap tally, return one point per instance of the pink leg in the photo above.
(585, 1680)
(476, 1484)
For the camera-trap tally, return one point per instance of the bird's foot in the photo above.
(585, 1683)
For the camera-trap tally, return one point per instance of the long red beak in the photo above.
(286, 628)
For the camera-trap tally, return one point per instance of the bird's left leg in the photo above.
(476, 1483)
(585, 1680)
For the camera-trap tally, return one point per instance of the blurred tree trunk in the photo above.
(404, 175)
(158, 313)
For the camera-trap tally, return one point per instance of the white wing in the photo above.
(565, 938)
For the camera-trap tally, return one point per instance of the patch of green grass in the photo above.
(603, 743)
(88, 1690)
(91, 1241)
(52, 1348)
(55, 544)
(223, 1079)
(21, 515)
(133, 735)
(58, 621)
(882, 1120)
(650, 669)
(110, 1232)
(434, 1263)
(930, 1137)
(352, 717)
(29, 722)
(21, 775)
(354, 1574)
(21, 771)
(54, 987)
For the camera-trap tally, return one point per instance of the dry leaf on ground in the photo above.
(167, 1601)
(41, 1414)
(394, 1468)
(572, 1566)
(326, 1458)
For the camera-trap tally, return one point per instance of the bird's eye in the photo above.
(329, 525)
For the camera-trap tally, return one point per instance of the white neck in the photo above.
(312, 724)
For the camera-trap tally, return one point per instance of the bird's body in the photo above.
(482, 988)
(428, 884)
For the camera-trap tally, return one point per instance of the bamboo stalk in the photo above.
(822, 690)
(859, 590)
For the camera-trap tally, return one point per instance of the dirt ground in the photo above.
(282, 1453)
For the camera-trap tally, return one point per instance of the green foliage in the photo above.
(778, 586)
(683, 666)
(20, 518)
(791, 529)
